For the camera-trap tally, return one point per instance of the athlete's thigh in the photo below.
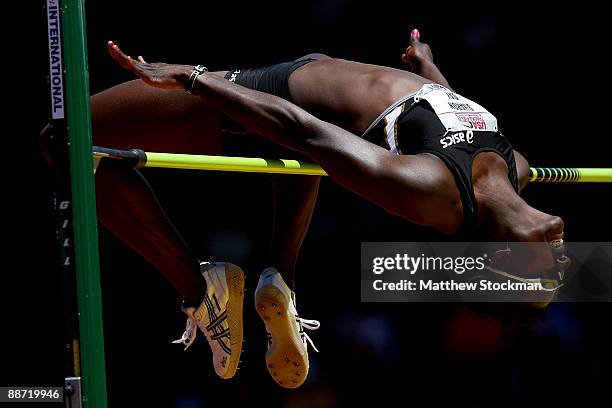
(135, 115)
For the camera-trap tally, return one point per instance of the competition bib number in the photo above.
(456, 112)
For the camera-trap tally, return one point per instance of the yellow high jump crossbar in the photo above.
(140, 158)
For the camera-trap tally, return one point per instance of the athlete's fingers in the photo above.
(115, 52)
(140, 59)
(120, 55)
(415, 36)
(136, 66)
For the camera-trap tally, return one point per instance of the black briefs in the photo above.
(272, 80)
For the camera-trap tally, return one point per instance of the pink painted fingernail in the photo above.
(415, 34)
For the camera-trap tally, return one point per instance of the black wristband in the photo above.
(192, 78)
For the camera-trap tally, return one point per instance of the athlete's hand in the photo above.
(417, 53)
(158, 74)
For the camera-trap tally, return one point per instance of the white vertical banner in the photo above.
(55, 59)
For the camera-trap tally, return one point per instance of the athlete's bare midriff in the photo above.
(350, 94)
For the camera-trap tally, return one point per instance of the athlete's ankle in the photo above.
(194, 293)
(286, 273)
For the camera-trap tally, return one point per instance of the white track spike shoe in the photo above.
(219, 316)
(287, 356)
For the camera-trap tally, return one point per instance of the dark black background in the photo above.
(542, 71)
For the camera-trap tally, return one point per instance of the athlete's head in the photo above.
(537, 259)
(534, 250)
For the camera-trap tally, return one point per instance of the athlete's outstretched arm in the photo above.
(419, 58)
(409, 186)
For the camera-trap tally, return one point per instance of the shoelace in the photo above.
(310, 325)
(191, 330)
(304, 324)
